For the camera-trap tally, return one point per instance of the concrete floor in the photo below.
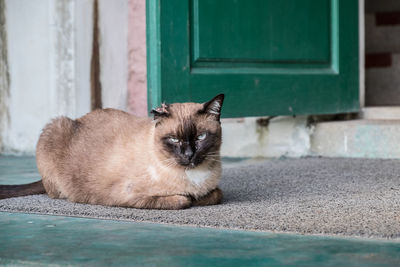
(28, 239)
(18, 170)
(37, 240)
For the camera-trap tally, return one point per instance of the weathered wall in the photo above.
(45, 48)
(4, 75)
(83, 26)
(137, 82)
(31, 99)
(113, 16)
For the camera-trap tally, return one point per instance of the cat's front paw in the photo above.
(214, 197)
(179, 202)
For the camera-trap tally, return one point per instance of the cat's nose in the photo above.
(188, 152)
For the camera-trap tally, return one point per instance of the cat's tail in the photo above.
(7, 191)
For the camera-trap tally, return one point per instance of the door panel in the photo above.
(238, 31)
(269, 57)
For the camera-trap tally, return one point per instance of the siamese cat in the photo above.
(109, 157)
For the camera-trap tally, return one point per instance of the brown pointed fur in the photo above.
(110, 157)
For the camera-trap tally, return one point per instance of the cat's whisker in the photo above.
(168, 162)
(168, 159)
(215, 160)
(212, 157)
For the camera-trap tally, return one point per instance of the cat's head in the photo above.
(188, 134)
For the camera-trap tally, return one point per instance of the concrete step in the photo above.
(380, 113)
(266, 137)
(357, 139)
(376, 136)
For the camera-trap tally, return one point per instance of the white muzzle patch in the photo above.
(198, 176)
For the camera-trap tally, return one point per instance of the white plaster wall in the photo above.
(61, 74)
(42, 42)
(4, 78)
(83, 30)
(29, 65)
(113, 25)
(49, 54)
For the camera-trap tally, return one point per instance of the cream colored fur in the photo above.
(110, 157)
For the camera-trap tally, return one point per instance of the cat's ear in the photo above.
(213, 107)
(161, 112)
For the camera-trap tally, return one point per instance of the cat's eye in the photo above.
(201, 136)
(174, 140)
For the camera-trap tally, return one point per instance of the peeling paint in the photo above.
(49, 63)
(4, 75)
(262, 134)
(63, 53)
(262, 131)
(64, 45)
(256, 82)
(41, 65)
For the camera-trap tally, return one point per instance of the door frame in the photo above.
(361, 51)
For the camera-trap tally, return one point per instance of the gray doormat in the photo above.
(352, 197)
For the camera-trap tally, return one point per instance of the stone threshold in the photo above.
(374, 133)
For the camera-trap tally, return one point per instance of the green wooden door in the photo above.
(269, 57)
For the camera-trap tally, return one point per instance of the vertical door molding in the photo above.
(153, 53)
(361, 52)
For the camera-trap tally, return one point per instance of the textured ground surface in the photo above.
(67, 241)
(353, 197)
